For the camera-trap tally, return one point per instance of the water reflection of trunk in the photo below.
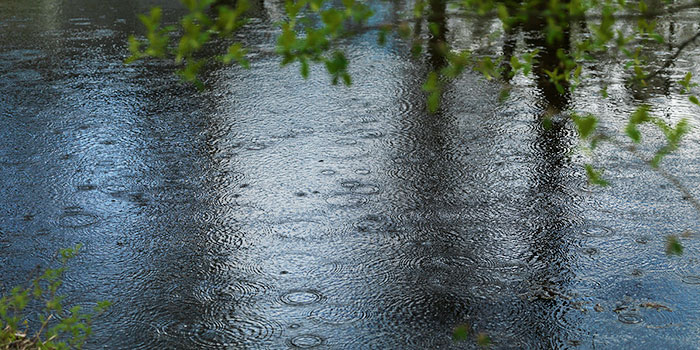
(256, 8)
(535, 30)
(436, 44)
(432, 177)
(461, 218)
(546, 214)
(658, 82)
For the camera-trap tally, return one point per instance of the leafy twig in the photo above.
(669, 61)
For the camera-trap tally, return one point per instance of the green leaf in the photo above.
(487, 67)
(547, 122)
(673, 137)
(658, 157)
(434, 28)
(433, 88)
(504, 16)
(347, 80)
(687, 85)
(134, 49)
(433, 101)
(503, 95)
(678, 132)
(673, 246)
(381, 37)
(694, 100)
(483, 340)
(418, 8)
(316, 5)
(404, 30)
(633, 133)
(515, 64)
(639, 116)
(461, 332)
(416, 49)
(102, 306)
(585, 125)
(293, 7)
(236, 53)
(337, 67)
(594, 176)
(304, 68)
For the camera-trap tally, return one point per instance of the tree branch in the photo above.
(669, 61)
(687, 195)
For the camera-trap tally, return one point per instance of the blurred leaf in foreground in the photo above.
(673, 246)
(461, 332)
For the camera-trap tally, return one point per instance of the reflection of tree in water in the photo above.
(536, 227)
(436, 43)
(256, 8)
(534, 30)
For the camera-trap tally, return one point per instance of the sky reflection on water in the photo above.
(274, 212)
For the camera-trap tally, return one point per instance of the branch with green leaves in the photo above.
(203, 23)
(314, 28)
(58, 328)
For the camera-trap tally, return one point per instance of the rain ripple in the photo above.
(77, 217)
(301, 297)
(235, 331)
(338, 314)
(305, 341)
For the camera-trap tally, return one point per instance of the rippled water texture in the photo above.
(272, 212)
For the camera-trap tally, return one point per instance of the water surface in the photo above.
(273, 212)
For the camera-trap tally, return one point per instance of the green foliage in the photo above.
(525, 63)
(314, 44)
(434, 89)
(237, 53)
(488, 68)
(157, 38)
(687, 84)
(619, 31)
(461, 332)
(198, 28)
(673, 138)
(595, 176)
(58, 328)
(464, 332)
(338, 68)
(673, 135)
(585, 125)
(673, 246)
(483, 340)
(640, 116)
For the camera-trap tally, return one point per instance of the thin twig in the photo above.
(41, 330)
(669, 61)
(687, 195)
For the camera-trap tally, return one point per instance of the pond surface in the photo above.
(272, 212)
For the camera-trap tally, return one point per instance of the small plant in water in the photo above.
(69, 331)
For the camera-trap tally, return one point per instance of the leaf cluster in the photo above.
(464, 331)
(314, 28)
(303, 42)
(58, 328)
(203, 23)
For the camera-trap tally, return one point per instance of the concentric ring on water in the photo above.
(629, 317)
(336, 314)
(302, 297)
(305, 341)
